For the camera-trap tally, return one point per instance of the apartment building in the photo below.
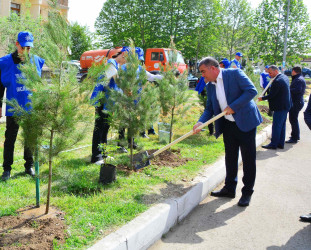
(38, 7)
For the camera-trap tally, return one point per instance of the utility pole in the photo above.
(285, 41)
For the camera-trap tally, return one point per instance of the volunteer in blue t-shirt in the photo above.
(264, 78)
(235, 63)
(101, 126)
(10, 75)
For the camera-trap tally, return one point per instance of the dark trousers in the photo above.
(235, 139)
(9, 143)
(122, 136)
(293, 119)
(278, 128)
(100, 132)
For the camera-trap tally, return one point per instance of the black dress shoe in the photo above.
(281, 147)
(244, 201)
(30, 171)
(223, 193)
(269, 146)
(291, 141)
(306, 218)
(6, 175)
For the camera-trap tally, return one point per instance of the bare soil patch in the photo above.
(32, 229)
(169, 158)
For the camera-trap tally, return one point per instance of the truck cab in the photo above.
(160, 56)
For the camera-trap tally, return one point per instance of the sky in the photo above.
(85, 12)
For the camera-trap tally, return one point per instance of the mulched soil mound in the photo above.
(169, 158)
(22, 232)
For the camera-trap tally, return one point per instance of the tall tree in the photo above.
(81, 40)
(270, 22)
(148, 23)
(235, 27)
(58, 106)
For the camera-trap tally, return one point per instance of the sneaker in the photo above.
(122, 149)
(96, 158)
(6, 175)
(30, 171)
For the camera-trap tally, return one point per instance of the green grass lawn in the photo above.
(93, 210)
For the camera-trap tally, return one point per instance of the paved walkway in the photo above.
(282, 194)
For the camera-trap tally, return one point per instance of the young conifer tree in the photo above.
(60, 107)
(136, 106)
(173, 90)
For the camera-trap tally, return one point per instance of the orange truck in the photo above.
(153, 59)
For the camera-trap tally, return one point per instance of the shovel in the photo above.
(143, 159)
(265, 90)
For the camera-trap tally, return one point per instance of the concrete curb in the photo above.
(149, 227)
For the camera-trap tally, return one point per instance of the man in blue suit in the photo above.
(232, 91)
(280, 102)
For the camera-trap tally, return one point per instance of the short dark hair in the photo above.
(297, 69)
(209, 61)
(273, 67)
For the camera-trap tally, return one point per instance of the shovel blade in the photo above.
(141, 160)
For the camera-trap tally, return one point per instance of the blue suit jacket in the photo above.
(240, 92)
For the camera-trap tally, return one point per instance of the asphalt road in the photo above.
(282, 194)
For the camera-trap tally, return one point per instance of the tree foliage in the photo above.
(136, 106)
(58, 113)
(148, 23)
(173, 91)
(11, 25)
(81, 40)
(235, 29)
(270, 25)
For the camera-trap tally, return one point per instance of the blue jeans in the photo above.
(278, 128)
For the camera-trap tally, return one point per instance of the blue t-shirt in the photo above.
(99, 87)
(200, 86)
(236, 62)
(265, 79)
(10, 75)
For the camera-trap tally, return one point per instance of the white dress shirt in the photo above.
(221, 96)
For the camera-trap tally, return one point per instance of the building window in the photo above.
(15, 8)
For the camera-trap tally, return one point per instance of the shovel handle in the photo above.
(265, 90)
(187, 135)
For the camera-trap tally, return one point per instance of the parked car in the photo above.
(306, 72)
(193, 80)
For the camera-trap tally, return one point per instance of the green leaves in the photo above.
(270, 22)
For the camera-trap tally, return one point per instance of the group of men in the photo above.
(229, 90)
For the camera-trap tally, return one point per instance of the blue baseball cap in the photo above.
(239, 54)
(138, 51)
(25, 39)
(267, 66)
(226, 63)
